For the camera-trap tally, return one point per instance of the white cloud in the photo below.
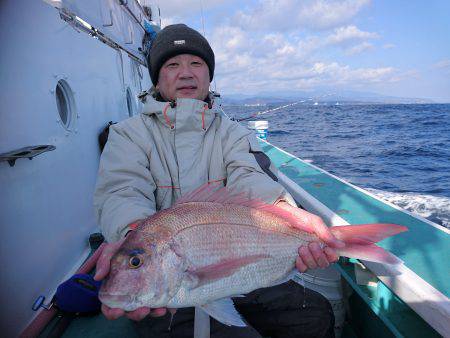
(230, 41)
(249, 61)
(443, 64)
(169, 20)
(351, 39)
(289, 71)
(305, 78)
(269, 46)
(178, 11)
(349, 34)
(327, 14)
(285, 15)
(389, 46)
(374, 75)
(359, 48)
(407, 75)
(183, 8)
(233, 41)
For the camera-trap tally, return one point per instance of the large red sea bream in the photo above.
(211, 246)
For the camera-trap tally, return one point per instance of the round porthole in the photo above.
(65, 103)
(131, 104)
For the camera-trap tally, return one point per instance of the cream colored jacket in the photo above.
(152, 159)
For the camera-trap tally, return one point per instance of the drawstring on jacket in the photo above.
(166, 117)
(203, 116)
(172, 105)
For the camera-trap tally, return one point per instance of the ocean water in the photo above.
(401, 153)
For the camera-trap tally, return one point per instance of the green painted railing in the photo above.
(422, 248)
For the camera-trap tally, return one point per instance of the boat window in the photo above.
(65, 103)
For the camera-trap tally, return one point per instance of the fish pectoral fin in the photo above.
(224, 268)
(223, 310)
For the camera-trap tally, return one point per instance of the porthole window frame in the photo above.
(65, 101)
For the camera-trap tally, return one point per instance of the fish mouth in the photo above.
(117, 300)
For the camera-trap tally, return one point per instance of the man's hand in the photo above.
(102, 270)
(312, 256)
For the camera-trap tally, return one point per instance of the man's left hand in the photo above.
(312, 256)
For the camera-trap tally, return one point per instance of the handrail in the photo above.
(26, 152)
(124, 4)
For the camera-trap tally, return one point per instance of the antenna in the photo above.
(204, 34)
(202, 18)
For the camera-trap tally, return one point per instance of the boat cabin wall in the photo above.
(46, 203)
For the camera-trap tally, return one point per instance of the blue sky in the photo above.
(397, 48)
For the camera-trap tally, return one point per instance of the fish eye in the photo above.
(135, 262)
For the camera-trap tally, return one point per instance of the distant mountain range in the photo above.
(321, 97)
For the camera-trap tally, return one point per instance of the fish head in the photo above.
(145, 271)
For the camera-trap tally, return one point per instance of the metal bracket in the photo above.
(26, 152)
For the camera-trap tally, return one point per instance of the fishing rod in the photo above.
(278, 108)
(269, 111)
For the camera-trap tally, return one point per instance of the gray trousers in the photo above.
(286, 310)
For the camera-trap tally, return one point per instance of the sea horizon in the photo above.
(396, 151)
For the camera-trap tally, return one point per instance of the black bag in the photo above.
(103, 137)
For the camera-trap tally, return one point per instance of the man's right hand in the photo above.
(102, 270)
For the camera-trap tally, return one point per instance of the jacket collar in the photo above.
(189, 114)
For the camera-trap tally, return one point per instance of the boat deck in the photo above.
(422, 248)
(376, 311)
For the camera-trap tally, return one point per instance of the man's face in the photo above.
(184, 76)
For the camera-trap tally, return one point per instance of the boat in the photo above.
(68, 68)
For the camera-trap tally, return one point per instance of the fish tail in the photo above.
(360, 241)
(372, 253)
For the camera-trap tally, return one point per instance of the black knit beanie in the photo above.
(174, 40)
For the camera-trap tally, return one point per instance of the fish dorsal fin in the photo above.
(223, 310)
(214, 194)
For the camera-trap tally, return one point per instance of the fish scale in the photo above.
(190, 214)
(214, 242)
(206, 233)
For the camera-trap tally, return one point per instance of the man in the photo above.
(177, 144)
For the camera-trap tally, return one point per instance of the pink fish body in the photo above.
(213, 245)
